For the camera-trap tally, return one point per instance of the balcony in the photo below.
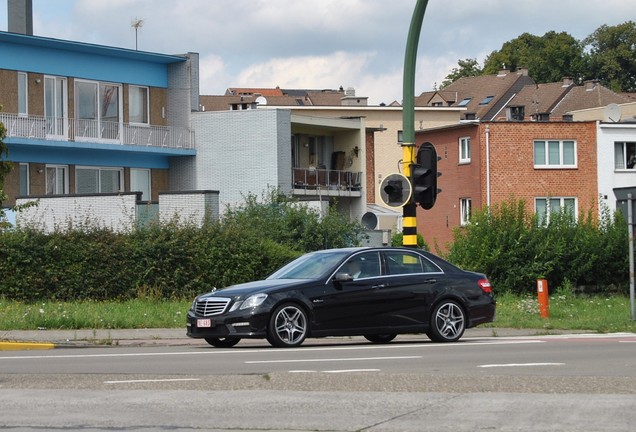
(315, 182)
(96, 131)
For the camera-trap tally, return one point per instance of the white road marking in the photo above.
(152, 380)
(397, 345)
(331, 359)
(520, 365)
(333, 371)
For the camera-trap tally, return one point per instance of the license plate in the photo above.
(204, 323)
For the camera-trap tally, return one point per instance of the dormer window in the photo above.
(486, 100)
(516, 113)
(470, 116)
(465, 102)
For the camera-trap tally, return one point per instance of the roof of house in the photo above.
(589, 95)
(483, 96)
(541, 98)
(278, 97)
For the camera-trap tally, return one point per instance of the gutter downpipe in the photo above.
(488, 167)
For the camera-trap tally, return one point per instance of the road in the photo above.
(546, 383)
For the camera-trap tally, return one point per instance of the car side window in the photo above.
(363, 265)
(408, 263)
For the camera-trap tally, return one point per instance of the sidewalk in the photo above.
(48, 339)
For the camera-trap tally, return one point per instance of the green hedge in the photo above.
(514, 249)
(173, 260)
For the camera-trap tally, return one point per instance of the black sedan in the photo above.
(377, 293)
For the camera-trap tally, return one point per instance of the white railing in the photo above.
(39, 127)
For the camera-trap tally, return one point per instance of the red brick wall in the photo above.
(512, 172)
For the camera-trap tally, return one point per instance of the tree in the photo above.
(466, 68)
(5, 168)
(612, 56)
(548, 58)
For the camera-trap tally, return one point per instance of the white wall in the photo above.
(608, 177)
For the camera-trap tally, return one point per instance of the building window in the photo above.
(56, 179)
(23, 94)
(554, 154)
(516, 113)
(544, 207)
(55, 106)
(624, 155)
(464, 150)
(138, 104)
(97, 110)
(98, 180)
(465, 102)
(24, 179)
(486, 100)
(140, 182)
(464, 205)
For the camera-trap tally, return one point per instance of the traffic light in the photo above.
(395, 190)
(424, 176)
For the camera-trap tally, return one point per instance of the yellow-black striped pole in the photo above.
(409, 222)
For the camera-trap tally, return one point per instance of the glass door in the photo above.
(55, 107)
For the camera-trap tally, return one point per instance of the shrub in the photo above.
(170, 260)
(514, 248)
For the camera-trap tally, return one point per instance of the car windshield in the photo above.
(310, 266)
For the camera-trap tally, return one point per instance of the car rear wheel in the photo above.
(227, 342)
(448, 322)
(288, 326)
(380, 338)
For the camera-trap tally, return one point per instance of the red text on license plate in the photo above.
(204, 323)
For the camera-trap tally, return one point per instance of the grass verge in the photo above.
(567, 312)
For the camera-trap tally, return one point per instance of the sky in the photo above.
(318, 44)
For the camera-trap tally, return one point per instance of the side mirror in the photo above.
(341, 277)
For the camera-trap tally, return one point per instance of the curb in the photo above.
(20, 346)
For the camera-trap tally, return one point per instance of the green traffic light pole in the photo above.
(409, 221)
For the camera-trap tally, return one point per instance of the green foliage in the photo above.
(466, 68)
(165, 261)
(607, 55)
(514, 248)
(548, 58)
(612, 57)
(5, 168)
(397, 239)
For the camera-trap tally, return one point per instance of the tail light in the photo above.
(485, 286)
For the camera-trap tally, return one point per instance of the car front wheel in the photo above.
(448, 322)
(288, 326)
(380, 338)
(228, 342)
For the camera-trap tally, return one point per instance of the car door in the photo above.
(349, 307)
(412, 284)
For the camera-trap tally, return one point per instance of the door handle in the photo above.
(377, 286)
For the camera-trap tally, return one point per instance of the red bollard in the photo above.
(544, 301)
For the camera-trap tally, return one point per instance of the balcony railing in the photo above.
(309, 178)
(65, 129)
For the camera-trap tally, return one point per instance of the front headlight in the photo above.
(253, 301)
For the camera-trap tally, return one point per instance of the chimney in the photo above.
(567, 82)
(20, 16)
(590, 85)
(522, 71)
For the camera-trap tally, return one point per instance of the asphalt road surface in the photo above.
(546, 383)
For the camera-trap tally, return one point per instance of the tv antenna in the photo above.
(137, 24)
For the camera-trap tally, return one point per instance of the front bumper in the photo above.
(238, 325)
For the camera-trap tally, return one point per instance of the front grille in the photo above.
(211, 306)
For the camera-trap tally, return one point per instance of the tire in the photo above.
(288, 326)
(227, 342)
(448, 322)
(380, 338)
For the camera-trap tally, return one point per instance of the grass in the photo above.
(567, 312)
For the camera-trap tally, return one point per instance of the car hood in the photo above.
(249, 288)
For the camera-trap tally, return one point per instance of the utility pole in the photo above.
(409, 221)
